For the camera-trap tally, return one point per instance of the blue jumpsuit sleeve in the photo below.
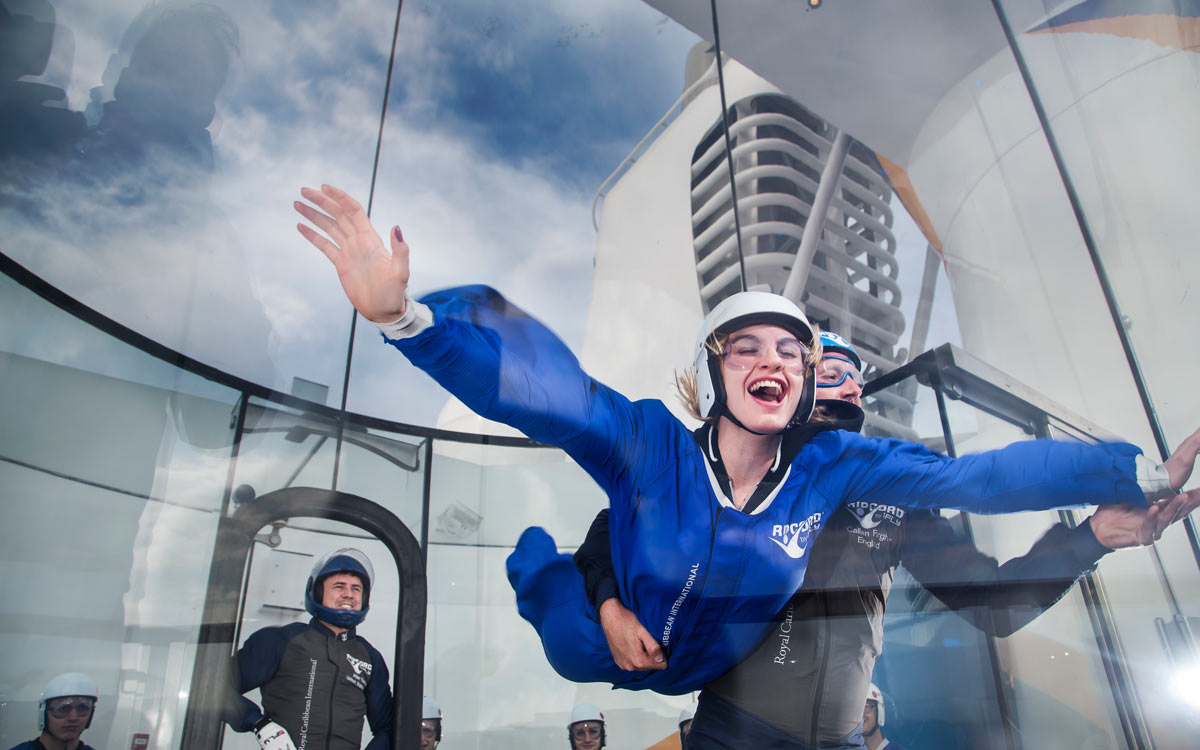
(508, 367)
(379, 703)
(255, 664)
(1027, 475)
(996, 598)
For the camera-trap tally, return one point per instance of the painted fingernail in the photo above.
(399, 236)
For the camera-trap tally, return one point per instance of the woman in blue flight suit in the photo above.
(709, 530)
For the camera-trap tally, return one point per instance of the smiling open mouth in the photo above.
(768, 389)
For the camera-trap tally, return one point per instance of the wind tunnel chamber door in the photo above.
(258, 574)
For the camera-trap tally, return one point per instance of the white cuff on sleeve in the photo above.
(1152, 477)
(416, 318)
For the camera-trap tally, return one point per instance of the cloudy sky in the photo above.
(502, 121)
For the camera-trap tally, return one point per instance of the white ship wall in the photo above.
(645, 299)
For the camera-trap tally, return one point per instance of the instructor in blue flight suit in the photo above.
(709, 529)
(318, 679)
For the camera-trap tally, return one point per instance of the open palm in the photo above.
(375, 280)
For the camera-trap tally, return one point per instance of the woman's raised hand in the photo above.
(375, 281)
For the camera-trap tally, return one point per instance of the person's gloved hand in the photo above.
(272, 736)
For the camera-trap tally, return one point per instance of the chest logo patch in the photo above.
(871, 515)
(359, 666)
(793, 538)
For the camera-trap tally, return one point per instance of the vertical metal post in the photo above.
(1108, 647)
(924, 313)
(989, 638)
(737, 222)
(1085, 230)
(387, 87)
(426, 494)
(831, 176)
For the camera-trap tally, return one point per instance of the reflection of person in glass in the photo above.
(803, 685)
(318, 679)
(874, 716)
(709, 531)
(165, 98)
(35, 123)
(167, 262)
(65, 709)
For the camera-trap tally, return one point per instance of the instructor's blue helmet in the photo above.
(834, 346)
(831, 342)
(347, 560)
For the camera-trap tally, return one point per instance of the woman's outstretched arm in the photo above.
(500, 362)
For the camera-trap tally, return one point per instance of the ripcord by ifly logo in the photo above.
(870, 515)
(791, 533)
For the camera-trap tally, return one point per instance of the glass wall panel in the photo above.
(1110, 78)
(150, 154)
(387, 468)
(114, 469)
(1060, 693)
(284, 447)
(483, 662)
(501, 127)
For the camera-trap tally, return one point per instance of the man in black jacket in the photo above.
(804, 685)
(318, 679)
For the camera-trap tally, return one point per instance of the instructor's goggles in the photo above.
(835, 369)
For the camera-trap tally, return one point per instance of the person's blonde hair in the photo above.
(687, 387)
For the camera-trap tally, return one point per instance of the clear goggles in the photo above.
(835, 369)
(428, 729)
(581, 731)
(746, 352)
(61, 708)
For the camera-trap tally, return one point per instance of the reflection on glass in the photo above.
(165, 145)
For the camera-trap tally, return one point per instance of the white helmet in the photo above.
(875, 694)
(62, 686)
(430, 710)
(738, 311)
(587, 712)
